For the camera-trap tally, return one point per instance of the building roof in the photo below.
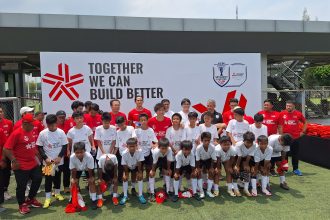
(159, 24)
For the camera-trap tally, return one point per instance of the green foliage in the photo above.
(317, 76)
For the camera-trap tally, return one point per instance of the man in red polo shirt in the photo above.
(37, 126)
(159, 123)
(133, 115)
(271, 120)
(271, 117)
(3, 165)
(21, 150)
(76, 106)
(115, 111)
(289, 123)
(7, 127)
(229, 115)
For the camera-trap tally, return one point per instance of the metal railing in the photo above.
(312, 103)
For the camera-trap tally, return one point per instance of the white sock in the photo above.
(99, 196)
(114, 195)
(48, 195)
(171, 185)
(57, 191)
(176, 187)
(133, 184)
(167, 183)
(229, 186)
(235, 186)
(254, 183)
(189, 183)
(282, 179)
(200, 185)
(180, 181)
(194, 185)
(264, 182)
(209, 185)
(125, 188)
(140, 183)
(204, 177)
(93, 195)
(216, 187)
(246, 185)
(268, 180)
(152, 185)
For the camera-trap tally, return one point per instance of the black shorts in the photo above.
(135, 170)
(107, 177)
(185, 170)
(276, 159)
(79, 173)
(251, 162)
(147, 161)
(162, 164)
(205, 163)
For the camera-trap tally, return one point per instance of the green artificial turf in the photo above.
(308, 198)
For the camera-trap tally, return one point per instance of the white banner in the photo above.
(101, 77)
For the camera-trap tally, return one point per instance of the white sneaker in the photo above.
(202, 195)
(7, 196)
(209, 194)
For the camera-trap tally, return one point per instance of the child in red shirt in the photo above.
(159, 123)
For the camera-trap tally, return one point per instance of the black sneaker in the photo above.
(152, 197)
(94, 205)
(197, 197)
(133, 192)
(175, 198)
(273, 173)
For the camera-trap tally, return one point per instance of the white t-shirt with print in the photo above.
(156, 154)
(175, 137)
(123, 136)
(191, 134)
(237, 129)
(52, 142)
(81, 135)
(225, 156)
(131, 161)
(243, 151)
(145, 139)
(201, 154)
(212, 129)
(105, 157)
(182, 160)
(259, 131)
(260, 156)
(86, 163)
(273, 141)
(106, 137)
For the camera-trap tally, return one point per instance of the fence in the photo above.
(12, 105)
(313, 103)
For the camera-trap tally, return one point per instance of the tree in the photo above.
(317, 76)
(305, 16)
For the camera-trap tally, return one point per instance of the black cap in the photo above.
(60, 112)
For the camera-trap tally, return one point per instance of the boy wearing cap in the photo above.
(40, 116)
(21, 150)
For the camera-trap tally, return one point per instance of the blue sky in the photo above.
(248, 9)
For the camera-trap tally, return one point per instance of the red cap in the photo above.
(27, 118)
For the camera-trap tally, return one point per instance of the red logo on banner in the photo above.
(242, 103)
(63, 83)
